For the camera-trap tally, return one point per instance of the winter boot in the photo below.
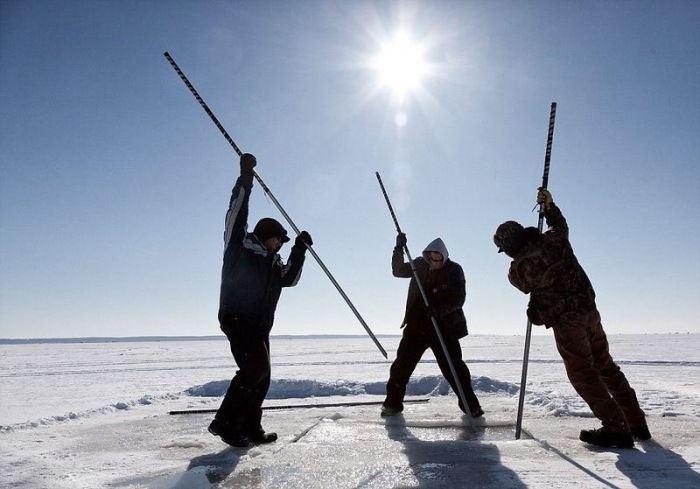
(477, 412)
(603, 437)
(474, 407)
(228, 435)
(641, 432)
(390, 410)
(236, 439)
(259, 437)
(217, 427)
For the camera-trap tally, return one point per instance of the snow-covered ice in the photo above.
(96, 415)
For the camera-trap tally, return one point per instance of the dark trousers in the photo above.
(242, 405)
(411, 348)
(583, 346)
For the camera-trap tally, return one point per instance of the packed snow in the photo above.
(96, 415)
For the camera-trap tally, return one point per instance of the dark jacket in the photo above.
(251, 277)
(445, 288)
(547, 269)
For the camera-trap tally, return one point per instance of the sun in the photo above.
(401, 65)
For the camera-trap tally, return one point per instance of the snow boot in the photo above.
(474, 407)
(227, 434)
(390, 411)
(259, 437)
(641, 432)
(235, 439)
(605, 438)
(217, 427)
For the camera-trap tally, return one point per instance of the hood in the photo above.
(435, 245)
(252, 243)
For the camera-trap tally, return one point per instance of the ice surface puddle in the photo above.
(202, 477)
(335, 431)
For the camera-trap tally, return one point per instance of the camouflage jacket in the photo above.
(547, 269)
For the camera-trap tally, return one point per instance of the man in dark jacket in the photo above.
(444, 283)
(252, 278)
(562, 298)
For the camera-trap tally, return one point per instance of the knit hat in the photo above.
(508, 237)
(269, 228)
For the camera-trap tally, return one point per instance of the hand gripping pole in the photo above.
(274, 200)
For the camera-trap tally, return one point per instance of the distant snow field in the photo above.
(96, 415)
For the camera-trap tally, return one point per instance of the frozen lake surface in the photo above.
(95, 415)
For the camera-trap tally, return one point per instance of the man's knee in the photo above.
(581, 377)
(398, 376)
(255, 374)
(403, 367)
(262, 374)
(607, 366)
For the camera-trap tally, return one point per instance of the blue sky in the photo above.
(114, 182)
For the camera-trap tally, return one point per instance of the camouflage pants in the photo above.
(583, 346)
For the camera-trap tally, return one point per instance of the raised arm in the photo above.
(399, 268)
(237, 214)
(291, 272)
(558, 228)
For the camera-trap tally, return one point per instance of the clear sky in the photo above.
(114, 182)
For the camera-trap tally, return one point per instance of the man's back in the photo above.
(547, 268)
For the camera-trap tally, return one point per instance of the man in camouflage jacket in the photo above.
(562, 298)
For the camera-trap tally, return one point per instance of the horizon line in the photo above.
(147, 338)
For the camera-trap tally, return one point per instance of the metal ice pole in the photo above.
(275, 201)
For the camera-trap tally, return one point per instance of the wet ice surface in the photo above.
(430, 445)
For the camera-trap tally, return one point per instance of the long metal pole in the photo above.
(274, 200)
(540, 223)
(305, 406)
(460, 391)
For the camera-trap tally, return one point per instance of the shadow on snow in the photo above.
(467, 460)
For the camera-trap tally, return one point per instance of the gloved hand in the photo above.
(304, 237)
(248, 162)
(401, 240)
(534, 315)
(544, 197)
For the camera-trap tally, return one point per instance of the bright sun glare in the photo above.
(401, 65)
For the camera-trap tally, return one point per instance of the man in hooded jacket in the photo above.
(252, 278)
(444, 283)
(562, 298)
